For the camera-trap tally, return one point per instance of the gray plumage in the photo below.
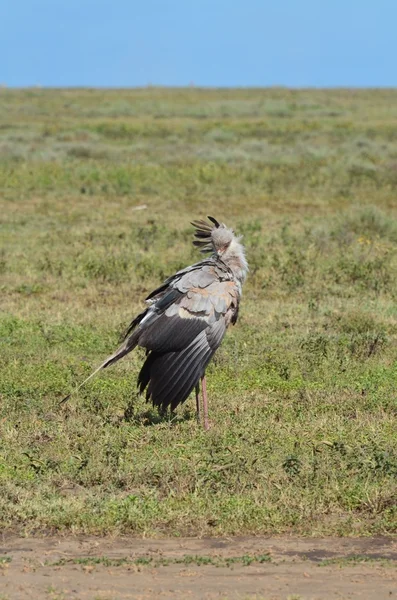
(187, 317)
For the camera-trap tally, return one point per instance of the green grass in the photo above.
(302, 392)
(148, 561)
(357, 560)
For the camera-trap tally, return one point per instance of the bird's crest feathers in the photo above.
(211, 237)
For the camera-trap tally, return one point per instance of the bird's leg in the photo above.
(205, 402)
(198, 402)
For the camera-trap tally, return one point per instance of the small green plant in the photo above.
(292, 466)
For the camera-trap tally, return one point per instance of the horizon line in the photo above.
(191, 86)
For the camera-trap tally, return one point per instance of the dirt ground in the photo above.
(295, 568)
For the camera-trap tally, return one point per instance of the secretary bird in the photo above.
(186, 320)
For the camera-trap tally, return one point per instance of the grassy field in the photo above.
(303, 391)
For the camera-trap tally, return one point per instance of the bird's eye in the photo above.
(224, 248)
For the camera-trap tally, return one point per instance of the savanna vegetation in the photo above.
(97, 191)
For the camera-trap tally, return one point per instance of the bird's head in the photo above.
(212, 237)
(218, 239)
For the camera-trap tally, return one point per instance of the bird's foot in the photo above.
(208, 425)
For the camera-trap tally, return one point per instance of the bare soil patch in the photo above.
(220, 568)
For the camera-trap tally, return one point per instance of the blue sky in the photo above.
(207, 42)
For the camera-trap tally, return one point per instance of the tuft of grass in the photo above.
(303, 390)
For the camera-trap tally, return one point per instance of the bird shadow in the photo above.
(154, 416)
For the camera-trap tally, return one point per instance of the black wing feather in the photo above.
(171, 333)
(169, 377)
(180, 371)
(165, 368)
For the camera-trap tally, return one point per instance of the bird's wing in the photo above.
(170, 376)
(200, 298)
(183, 339)
(206, 270)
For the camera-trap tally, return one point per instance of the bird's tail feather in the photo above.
(124, 349)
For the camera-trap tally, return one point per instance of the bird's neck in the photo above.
(234, 258)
